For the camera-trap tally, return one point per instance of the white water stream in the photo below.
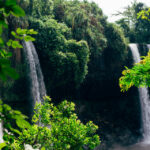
(144, 100)
(36, 77)
(1, 132)
(37, 86)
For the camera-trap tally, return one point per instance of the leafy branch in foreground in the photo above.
(7, 8)
(138, 76)
(54, 127)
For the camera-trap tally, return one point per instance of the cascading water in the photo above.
(148, 46)
(144, 99)
(1, 132)
(36, 77)
(35, 74)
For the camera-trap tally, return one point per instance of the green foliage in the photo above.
(11, 119)
(85, 20)
(135, 28)
(116, 41)
(64, 61)
(53, 128)
(10, 7)
(5, 64)
(144, 14)
(138, 75)
(116, 50)
(40, 8)
(124, 26)
(7, 8)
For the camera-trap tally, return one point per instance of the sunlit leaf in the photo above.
(2, 145)
(29, 38)
(16, 44)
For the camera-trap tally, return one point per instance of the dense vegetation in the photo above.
(52, 127)
(82, 56)
(72, 37)
(138, 75)
(135, 28)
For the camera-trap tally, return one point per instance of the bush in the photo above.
(53, 128)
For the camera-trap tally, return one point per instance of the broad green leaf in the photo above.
(18, 11)
(9, 43)
(22, 123)
(16, 131)
(16, 44)
(21, 31)
(31, 31)
(17, 112)
(7, 107)
(28, 38)
(13, 33)
(10, 2)
(2, 145)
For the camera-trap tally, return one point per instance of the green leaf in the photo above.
(18, 11)
(10, 2)
(9, 43)
(13, 33)
(2, 145)
(16, 131)
(16, 44)
(43, 148)
(21, 31)
(29, 38)
(22, 123)
(31, 31)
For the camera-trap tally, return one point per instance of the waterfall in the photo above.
(35, 74)
(37, 86)
(148, 46)
(144, 100)
(1, 132)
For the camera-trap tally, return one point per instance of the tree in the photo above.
(53, 127)
(139, 74)
(64, 61)
(87, 22)
(136, 29)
